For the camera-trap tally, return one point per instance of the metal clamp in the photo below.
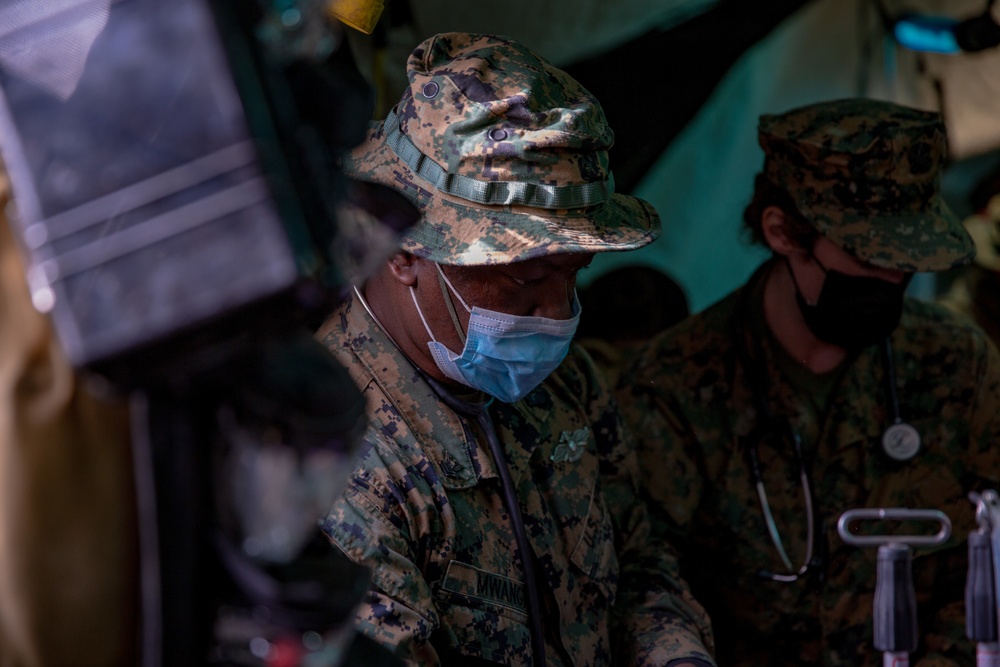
(987, 509)
(895, 514)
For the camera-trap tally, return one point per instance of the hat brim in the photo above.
(456, 231)
(932, 239)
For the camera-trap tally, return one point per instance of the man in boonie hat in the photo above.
(496, 500)
(818, 388)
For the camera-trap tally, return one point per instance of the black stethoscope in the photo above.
(479, 411)
(900, 440)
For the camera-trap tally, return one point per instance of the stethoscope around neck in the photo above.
(900, 440)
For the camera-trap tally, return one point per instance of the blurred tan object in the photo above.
(976, 292)
(968, 84)
(984, 228)
(359, 14)
(68, 559)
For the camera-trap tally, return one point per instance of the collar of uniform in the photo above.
(512, 423)
(845, 396)
(522, 423)
(839, 426)
(859, 411)
(445, 437)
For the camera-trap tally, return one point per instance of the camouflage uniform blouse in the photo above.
(691, 402)
(424, 511)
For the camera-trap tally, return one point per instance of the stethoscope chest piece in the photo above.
(901, 441)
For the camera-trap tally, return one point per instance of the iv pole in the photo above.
(981, 584)
(894, 610)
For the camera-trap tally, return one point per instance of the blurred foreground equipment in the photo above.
(169, 190)
(981, 580)
(174, 170)
(894, 609)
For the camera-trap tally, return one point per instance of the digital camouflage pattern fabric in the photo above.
(691, 402)
(423, 510)
(505, 155)
(867, 175)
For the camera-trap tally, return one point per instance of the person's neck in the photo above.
(783, 317)
(392, 319)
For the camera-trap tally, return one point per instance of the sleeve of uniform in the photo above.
(657, 619)
(946, 640)
(985, 414)
(372, 525)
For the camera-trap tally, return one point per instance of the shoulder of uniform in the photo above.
(933, 326)
(706, 332)
(578, 373)
(935, 318)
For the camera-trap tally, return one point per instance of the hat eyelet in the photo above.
(431, 89)
(497, 134)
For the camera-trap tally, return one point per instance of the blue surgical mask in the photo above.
(505, 356)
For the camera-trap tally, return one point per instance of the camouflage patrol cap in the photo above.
(505, 155)
(867, 175)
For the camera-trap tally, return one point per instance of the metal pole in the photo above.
(894, 609)
(895, 659)
(980, 588)
(895, 606)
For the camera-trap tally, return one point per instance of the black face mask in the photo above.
(852, 312)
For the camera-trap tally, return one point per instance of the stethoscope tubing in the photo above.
(760, 388)
(481, 414)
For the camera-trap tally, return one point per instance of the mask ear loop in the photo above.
(795, 279)
(420, 312)
(444, 284)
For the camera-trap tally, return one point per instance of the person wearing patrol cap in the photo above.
(496, 500)
(820, 387)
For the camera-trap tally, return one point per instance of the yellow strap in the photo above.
(359, 14)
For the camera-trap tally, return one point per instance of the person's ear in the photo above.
(774, 227)
(403, 268)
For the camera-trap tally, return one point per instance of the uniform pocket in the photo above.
(483, 615)
(594, 553)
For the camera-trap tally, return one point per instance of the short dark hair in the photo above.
(766, 193)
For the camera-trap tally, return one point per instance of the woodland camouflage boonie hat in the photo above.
(867, 175)
(505, 155)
